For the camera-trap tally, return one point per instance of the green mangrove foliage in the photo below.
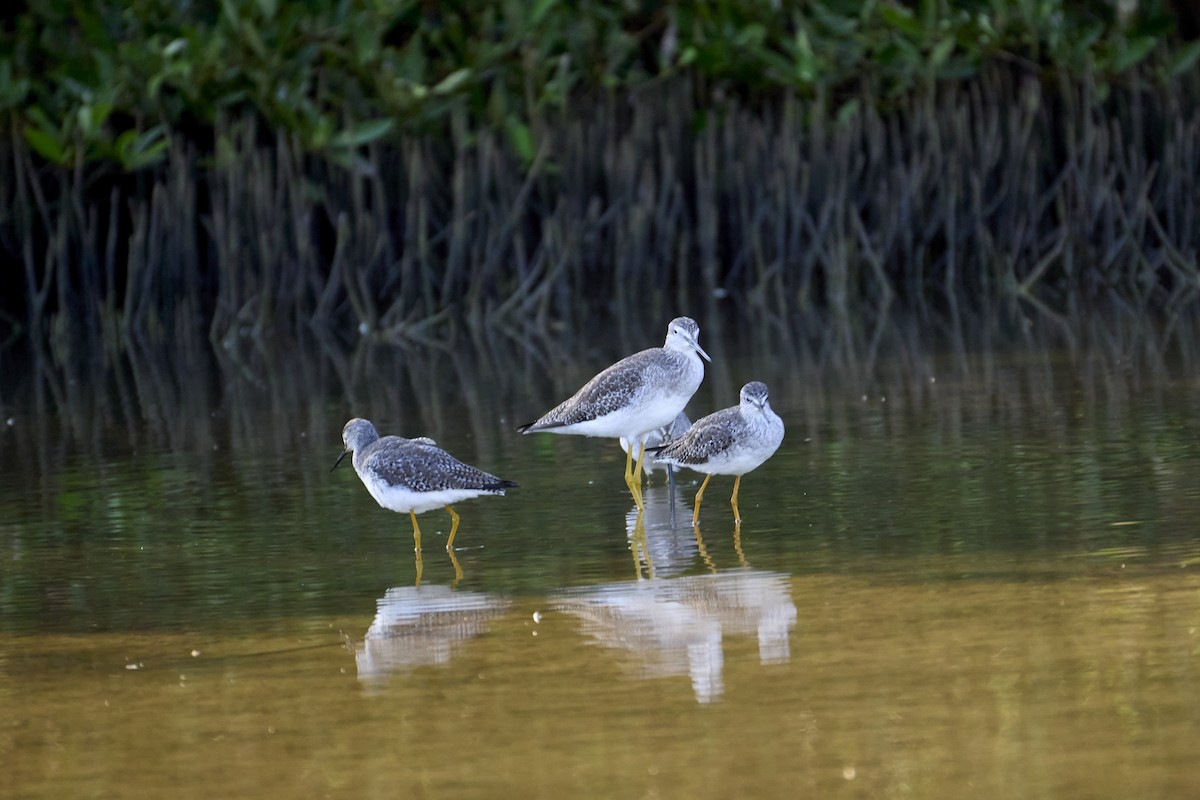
(174, 166)
(116, 80)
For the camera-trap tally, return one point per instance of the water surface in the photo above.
(971, 574)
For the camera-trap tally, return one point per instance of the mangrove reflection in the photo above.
(273, 393)
(417, 626)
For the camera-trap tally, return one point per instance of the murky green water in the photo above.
(972, 576)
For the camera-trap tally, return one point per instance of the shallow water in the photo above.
(960, 576)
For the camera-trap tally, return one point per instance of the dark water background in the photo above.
(972, 569)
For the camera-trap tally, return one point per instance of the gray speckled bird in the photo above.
(634, 396)
(732, 441)
(413, 475)
(661, 436)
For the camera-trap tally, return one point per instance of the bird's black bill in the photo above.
(339, 460)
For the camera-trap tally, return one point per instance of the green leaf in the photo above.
(929, 13)
(136, 150)
(174, 48)
(252, 38)
(805, 63)
(1133, 53)
(354, 163)
(12, 93)
(125, 141)
(155, 137)
(84, 116)
(539, 11)
(93, 116)
(230, 10)
(452, 81)
(321, 132)
(46, 146)
(520, 138)
(752, 35)
(1184, 59)
(364, 133)
(40, 118)
(841, 22)
(150, 155)
(901, 18)
(849, 111)
(941, 52)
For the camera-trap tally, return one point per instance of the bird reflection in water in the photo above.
(676, 626)
(458, 571)
(661, 537)
(417, 626)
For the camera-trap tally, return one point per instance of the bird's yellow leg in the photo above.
(737, 543)
(420, 566)
(737, 517)
(458, 573)
(453, 527)
(629, 469)
(633, 485)
(646, 468)
(416, 531)
(699, 497)
(638, 476)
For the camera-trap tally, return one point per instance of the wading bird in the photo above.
(732, 441)
(634, 396)
(413, 475)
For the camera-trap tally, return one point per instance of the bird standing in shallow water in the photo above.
(634, 396)
(413, 475)
(732, 441)
(660, 436)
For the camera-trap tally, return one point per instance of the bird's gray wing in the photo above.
(707, 438)
(603, 394)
